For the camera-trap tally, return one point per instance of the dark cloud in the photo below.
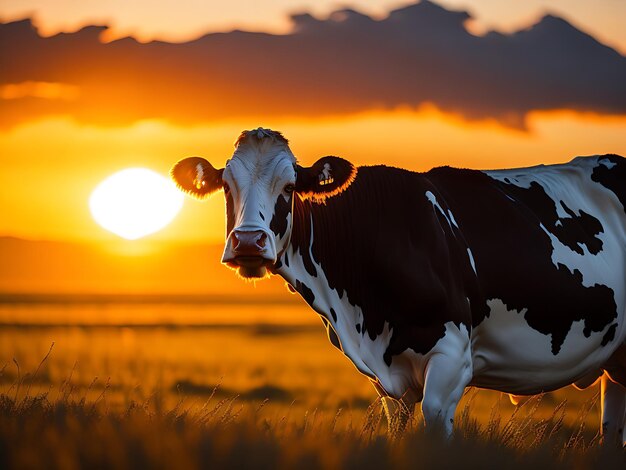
(346, 63)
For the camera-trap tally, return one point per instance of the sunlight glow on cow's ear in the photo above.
(327, 177)
(197, 177)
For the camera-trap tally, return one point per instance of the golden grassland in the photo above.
(74, 433)
(71, 431)
(246, 394)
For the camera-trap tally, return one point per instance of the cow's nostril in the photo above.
(261, 241)
(235, 241)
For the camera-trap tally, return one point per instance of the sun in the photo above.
(135, 202)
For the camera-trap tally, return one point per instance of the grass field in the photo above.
(242, 388)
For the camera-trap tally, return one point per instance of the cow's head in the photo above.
(260, 182)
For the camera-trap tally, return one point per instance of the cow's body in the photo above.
(429, 282)
(479, 265)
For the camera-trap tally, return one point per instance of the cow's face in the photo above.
(260, 183)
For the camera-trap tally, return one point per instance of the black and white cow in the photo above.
(512, 280)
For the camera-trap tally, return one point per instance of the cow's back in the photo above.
(549, 250)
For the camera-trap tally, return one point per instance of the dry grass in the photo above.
(65, 429)
(249, 395)
(68, 432)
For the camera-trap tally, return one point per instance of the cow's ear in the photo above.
(326, 178)
(197, 177)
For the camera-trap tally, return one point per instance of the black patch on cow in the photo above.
(308, 263)
(385, 261)
(572, 231)
(279, 222)
(305, 292)
(609, 335)
(613, 178)
(302, 232)
(358, 328)
(261, 215)
(332, 334)
(333, 314)
(579, 229)
(286, 259)
(514, 253)
(230, 213)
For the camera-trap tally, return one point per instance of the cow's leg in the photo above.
(398, 412)
(446, 377)
(613, 404)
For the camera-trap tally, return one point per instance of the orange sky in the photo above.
(50, 167)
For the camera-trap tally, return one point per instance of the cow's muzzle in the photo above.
(249, 251)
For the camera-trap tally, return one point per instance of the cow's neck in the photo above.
(302, 266)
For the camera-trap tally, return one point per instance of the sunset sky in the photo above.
(99, 99)
(412, 88)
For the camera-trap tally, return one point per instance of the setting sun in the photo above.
(135, 202)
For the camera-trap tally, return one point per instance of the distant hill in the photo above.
(128, 271)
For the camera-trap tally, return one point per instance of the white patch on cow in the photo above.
(370, 352)
(433, 200)
(448, 216)
(471, 259)
(510, 356)
(607, 163)
(451, 218)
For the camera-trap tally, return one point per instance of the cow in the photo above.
(510, 280)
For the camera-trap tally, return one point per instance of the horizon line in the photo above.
(122, 298)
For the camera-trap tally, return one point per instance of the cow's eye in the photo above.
(226, 188)
(289, 188)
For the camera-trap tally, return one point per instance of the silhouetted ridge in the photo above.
(345, 63)
(426, 13)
